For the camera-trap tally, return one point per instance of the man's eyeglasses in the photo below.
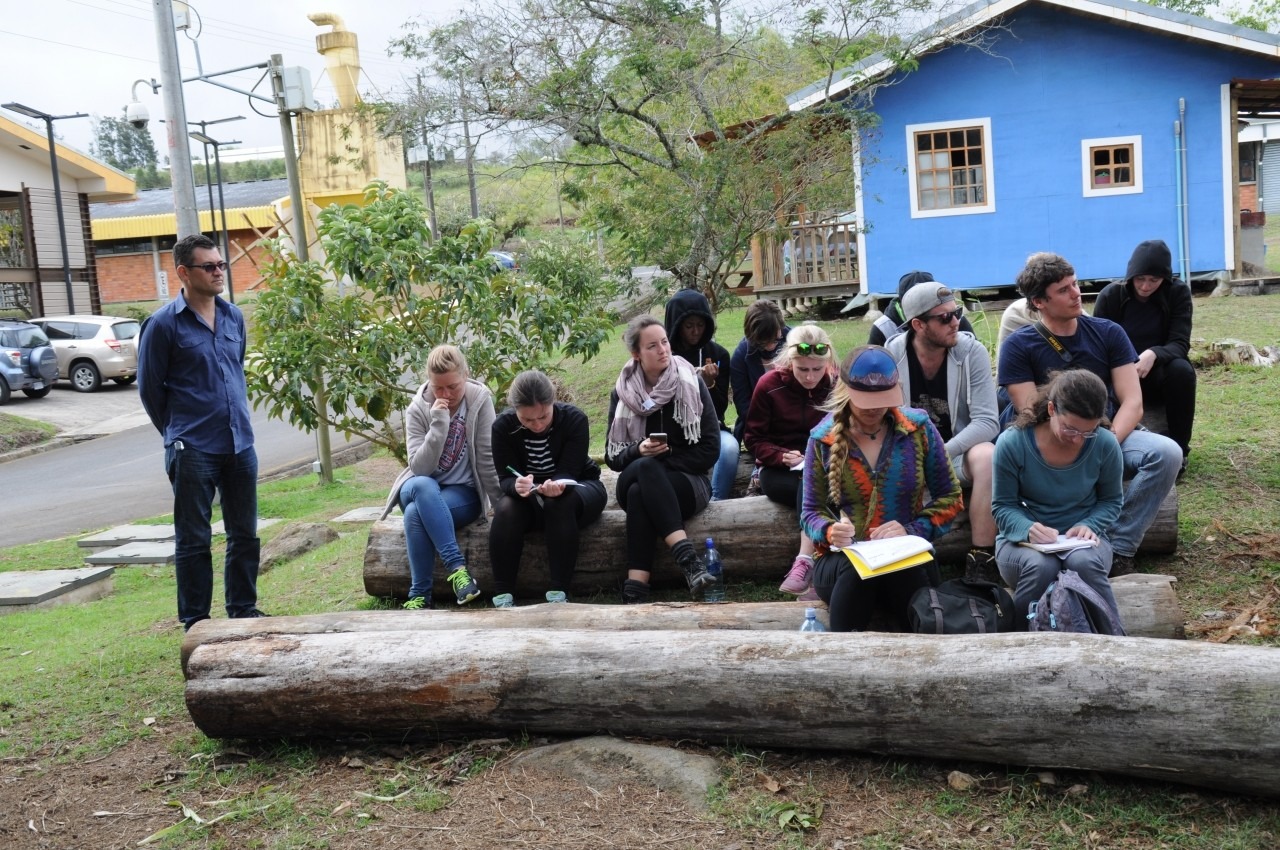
(946, 318)
(806, 349)
(208, 268)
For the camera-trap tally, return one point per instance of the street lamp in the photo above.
(57, 187)
(206, 140)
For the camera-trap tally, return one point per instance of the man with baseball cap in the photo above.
(946, 372)
(1066, 337)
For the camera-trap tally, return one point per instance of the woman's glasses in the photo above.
(947, 317)
(1069, 432)
(807, 349)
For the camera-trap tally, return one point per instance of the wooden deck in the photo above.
(815, 255)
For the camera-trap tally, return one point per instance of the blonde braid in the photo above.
(838, 458)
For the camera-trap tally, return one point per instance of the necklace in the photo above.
(874, 435)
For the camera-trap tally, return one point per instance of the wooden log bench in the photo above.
(1175, 711)
(758, 539)
(1148, 608)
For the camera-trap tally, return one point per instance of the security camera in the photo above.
(136, 114)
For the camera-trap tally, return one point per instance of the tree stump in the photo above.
(1179, 711)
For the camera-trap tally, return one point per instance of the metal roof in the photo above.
(1123, 12)
(255, 193)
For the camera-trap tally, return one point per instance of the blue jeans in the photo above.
(195, 475)
(1030, 573)
(1153, 461)
(431, 513)
(726, 468)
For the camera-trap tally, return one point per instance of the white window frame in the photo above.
(1086, 166)
(987, 164)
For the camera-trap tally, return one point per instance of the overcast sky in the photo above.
(69, 56)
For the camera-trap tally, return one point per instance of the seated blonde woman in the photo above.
(785, 406)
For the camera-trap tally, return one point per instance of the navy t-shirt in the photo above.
(1098, 345)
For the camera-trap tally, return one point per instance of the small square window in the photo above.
(1112, 166)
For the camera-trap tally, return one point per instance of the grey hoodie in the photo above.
(971, 390)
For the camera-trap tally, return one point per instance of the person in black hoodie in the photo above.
(690, 327)
(548, 481)
(1155, 312)
(892, 322)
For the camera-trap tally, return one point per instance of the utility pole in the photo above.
(175, 108)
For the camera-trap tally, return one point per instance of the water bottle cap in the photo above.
(811, 613)
(710, 543)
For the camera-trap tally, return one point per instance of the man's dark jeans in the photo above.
(195, 475)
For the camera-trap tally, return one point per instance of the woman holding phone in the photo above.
(663, 439)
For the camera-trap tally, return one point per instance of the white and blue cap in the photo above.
(871, 376)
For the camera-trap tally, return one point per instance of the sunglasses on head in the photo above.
(805, 349)
(209, 268)
(945, 318)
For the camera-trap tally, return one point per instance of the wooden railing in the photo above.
(817, 250)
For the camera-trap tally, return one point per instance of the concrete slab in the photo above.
(122, 534)
(135, 553)
(219, 528)
(370, 514)
(28, 590)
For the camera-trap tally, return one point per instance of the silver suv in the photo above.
(27, 361)
(93, 348)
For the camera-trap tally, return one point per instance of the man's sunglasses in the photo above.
(806, 349)
(947, 317)
(208, 268)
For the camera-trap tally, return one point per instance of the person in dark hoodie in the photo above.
(892, 322)
(763, 331)
(691, 326)
(1155, 312)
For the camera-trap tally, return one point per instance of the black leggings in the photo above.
(782, 485)
(657, 500)
(1174, 384)
(852, 600)
(561, 518)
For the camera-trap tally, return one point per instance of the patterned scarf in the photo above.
(679, 382)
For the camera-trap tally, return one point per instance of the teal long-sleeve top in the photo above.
(1027, 490)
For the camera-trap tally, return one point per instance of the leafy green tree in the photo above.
(633, 82)
(365, 349)
(122, 145)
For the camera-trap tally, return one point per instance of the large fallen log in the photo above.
(1148, 608)
(758, 539)
(1196, 713)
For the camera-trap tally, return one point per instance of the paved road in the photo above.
(111, 479)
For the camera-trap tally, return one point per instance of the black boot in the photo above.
(634, 592)
(692, 565)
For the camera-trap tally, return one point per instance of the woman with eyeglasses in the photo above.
(785, 407)
(1057, 472)
(873, 469)
(763, 331)
(663, 438)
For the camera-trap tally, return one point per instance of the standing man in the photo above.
(946, 372)
(1066, 338)
(191, 380)
(1155, 312)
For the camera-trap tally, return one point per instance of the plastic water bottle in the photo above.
(714, 592)
(811, 622)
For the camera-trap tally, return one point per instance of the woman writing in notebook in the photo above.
(1057, 473)
(873, 470)
(548, 482)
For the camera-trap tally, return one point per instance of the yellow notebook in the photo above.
(873, 558)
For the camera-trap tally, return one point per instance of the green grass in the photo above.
(18, 431)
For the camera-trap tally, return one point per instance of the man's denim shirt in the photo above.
(191, 378)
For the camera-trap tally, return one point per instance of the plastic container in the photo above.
(811, 622)
(714, 592)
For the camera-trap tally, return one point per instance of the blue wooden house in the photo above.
(1082, 127)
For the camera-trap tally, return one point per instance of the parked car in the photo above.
(27, 361)
(93, 348)
(506, 260)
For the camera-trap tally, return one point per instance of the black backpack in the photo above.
(960, 607)
(1070, 605)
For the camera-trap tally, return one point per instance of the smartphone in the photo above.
(659, 437)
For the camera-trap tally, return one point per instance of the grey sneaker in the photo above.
(981, 566)
(634, 592)
(557, 596)
(417, 603)
(504, 600)
(464, 586)
(695, 572)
